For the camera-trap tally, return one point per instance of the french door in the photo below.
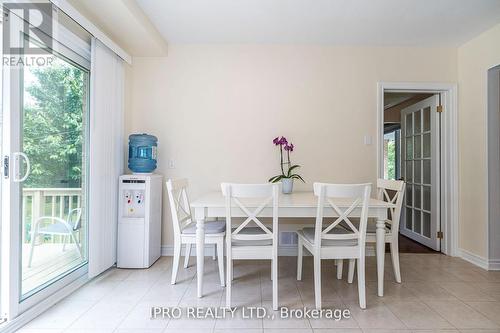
(44, 176)
(420, 140)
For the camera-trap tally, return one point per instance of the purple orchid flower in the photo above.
(285, 149)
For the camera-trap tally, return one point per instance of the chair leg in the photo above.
(214, 255)
(229, 275)
(299, 260)
(340, 266)
(175, 265)
(187, 254)
(77, 245)
(32, 248)
(274, 269)
(317, 280)
(220, 255)
(65, 240)
(350, 274)
(361, 282)
(395, 260)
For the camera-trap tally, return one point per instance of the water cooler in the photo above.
(139, 223)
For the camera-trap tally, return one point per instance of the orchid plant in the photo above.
(284, 145)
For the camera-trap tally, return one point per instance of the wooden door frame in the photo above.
(449, 151)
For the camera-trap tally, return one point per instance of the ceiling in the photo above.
(392, 99)
(333, 22)
(125, 23)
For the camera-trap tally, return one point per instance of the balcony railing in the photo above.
(38, 202)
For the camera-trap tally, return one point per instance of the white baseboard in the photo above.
(494, 265)
(479, 261)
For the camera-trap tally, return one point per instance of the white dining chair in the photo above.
(67, 228)
(332, 241)
(245, 242)
(185, 228)
(391, 191)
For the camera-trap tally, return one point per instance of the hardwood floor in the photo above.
(407, 245)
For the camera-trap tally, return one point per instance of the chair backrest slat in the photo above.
(356, 195)
(75, 218)
(392, 191)
(267, 194)
(179, 205)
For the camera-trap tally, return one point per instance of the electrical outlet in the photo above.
(171, 164)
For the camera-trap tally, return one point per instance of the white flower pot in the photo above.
(287, 185)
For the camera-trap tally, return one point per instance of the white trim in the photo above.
(449, 153)
(474, 259)
(21, 320)
(51, 287)
(491, 183)
(482, 262)
(92, 29)
(494, 264)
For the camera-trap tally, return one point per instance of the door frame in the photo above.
(493, 166)
(449, 151)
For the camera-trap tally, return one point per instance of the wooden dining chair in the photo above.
(185, 228)
(391, 191)
(244, 242)
(332, 241)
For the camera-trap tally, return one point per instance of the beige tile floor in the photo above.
(438, 294)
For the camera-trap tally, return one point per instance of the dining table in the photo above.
(299, 204)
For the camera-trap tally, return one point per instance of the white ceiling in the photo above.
(335, 22)
(125, 23)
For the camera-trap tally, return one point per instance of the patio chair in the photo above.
(66, 228)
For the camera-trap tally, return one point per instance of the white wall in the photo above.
(474, 59)
(216, 108)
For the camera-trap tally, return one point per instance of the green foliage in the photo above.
(289, 174)
(391, 159)
(53, 124)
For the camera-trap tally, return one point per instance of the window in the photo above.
(392, 153)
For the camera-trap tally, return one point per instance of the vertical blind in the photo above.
(106, 155)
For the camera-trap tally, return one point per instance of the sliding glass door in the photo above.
(44, 174)
(52, 195)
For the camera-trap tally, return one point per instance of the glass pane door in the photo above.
(420, 136)
(53, 131)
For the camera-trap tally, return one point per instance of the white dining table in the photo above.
(294, 205)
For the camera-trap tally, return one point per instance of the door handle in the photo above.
(17, 163)
(6, 166)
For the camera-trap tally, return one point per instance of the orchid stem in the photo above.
(281, 158)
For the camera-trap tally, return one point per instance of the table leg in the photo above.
(200, 254)
(380, 235)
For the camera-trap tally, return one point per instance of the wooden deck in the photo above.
(49, 261)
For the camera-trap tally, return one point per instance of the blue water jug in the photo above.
(142, 153)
